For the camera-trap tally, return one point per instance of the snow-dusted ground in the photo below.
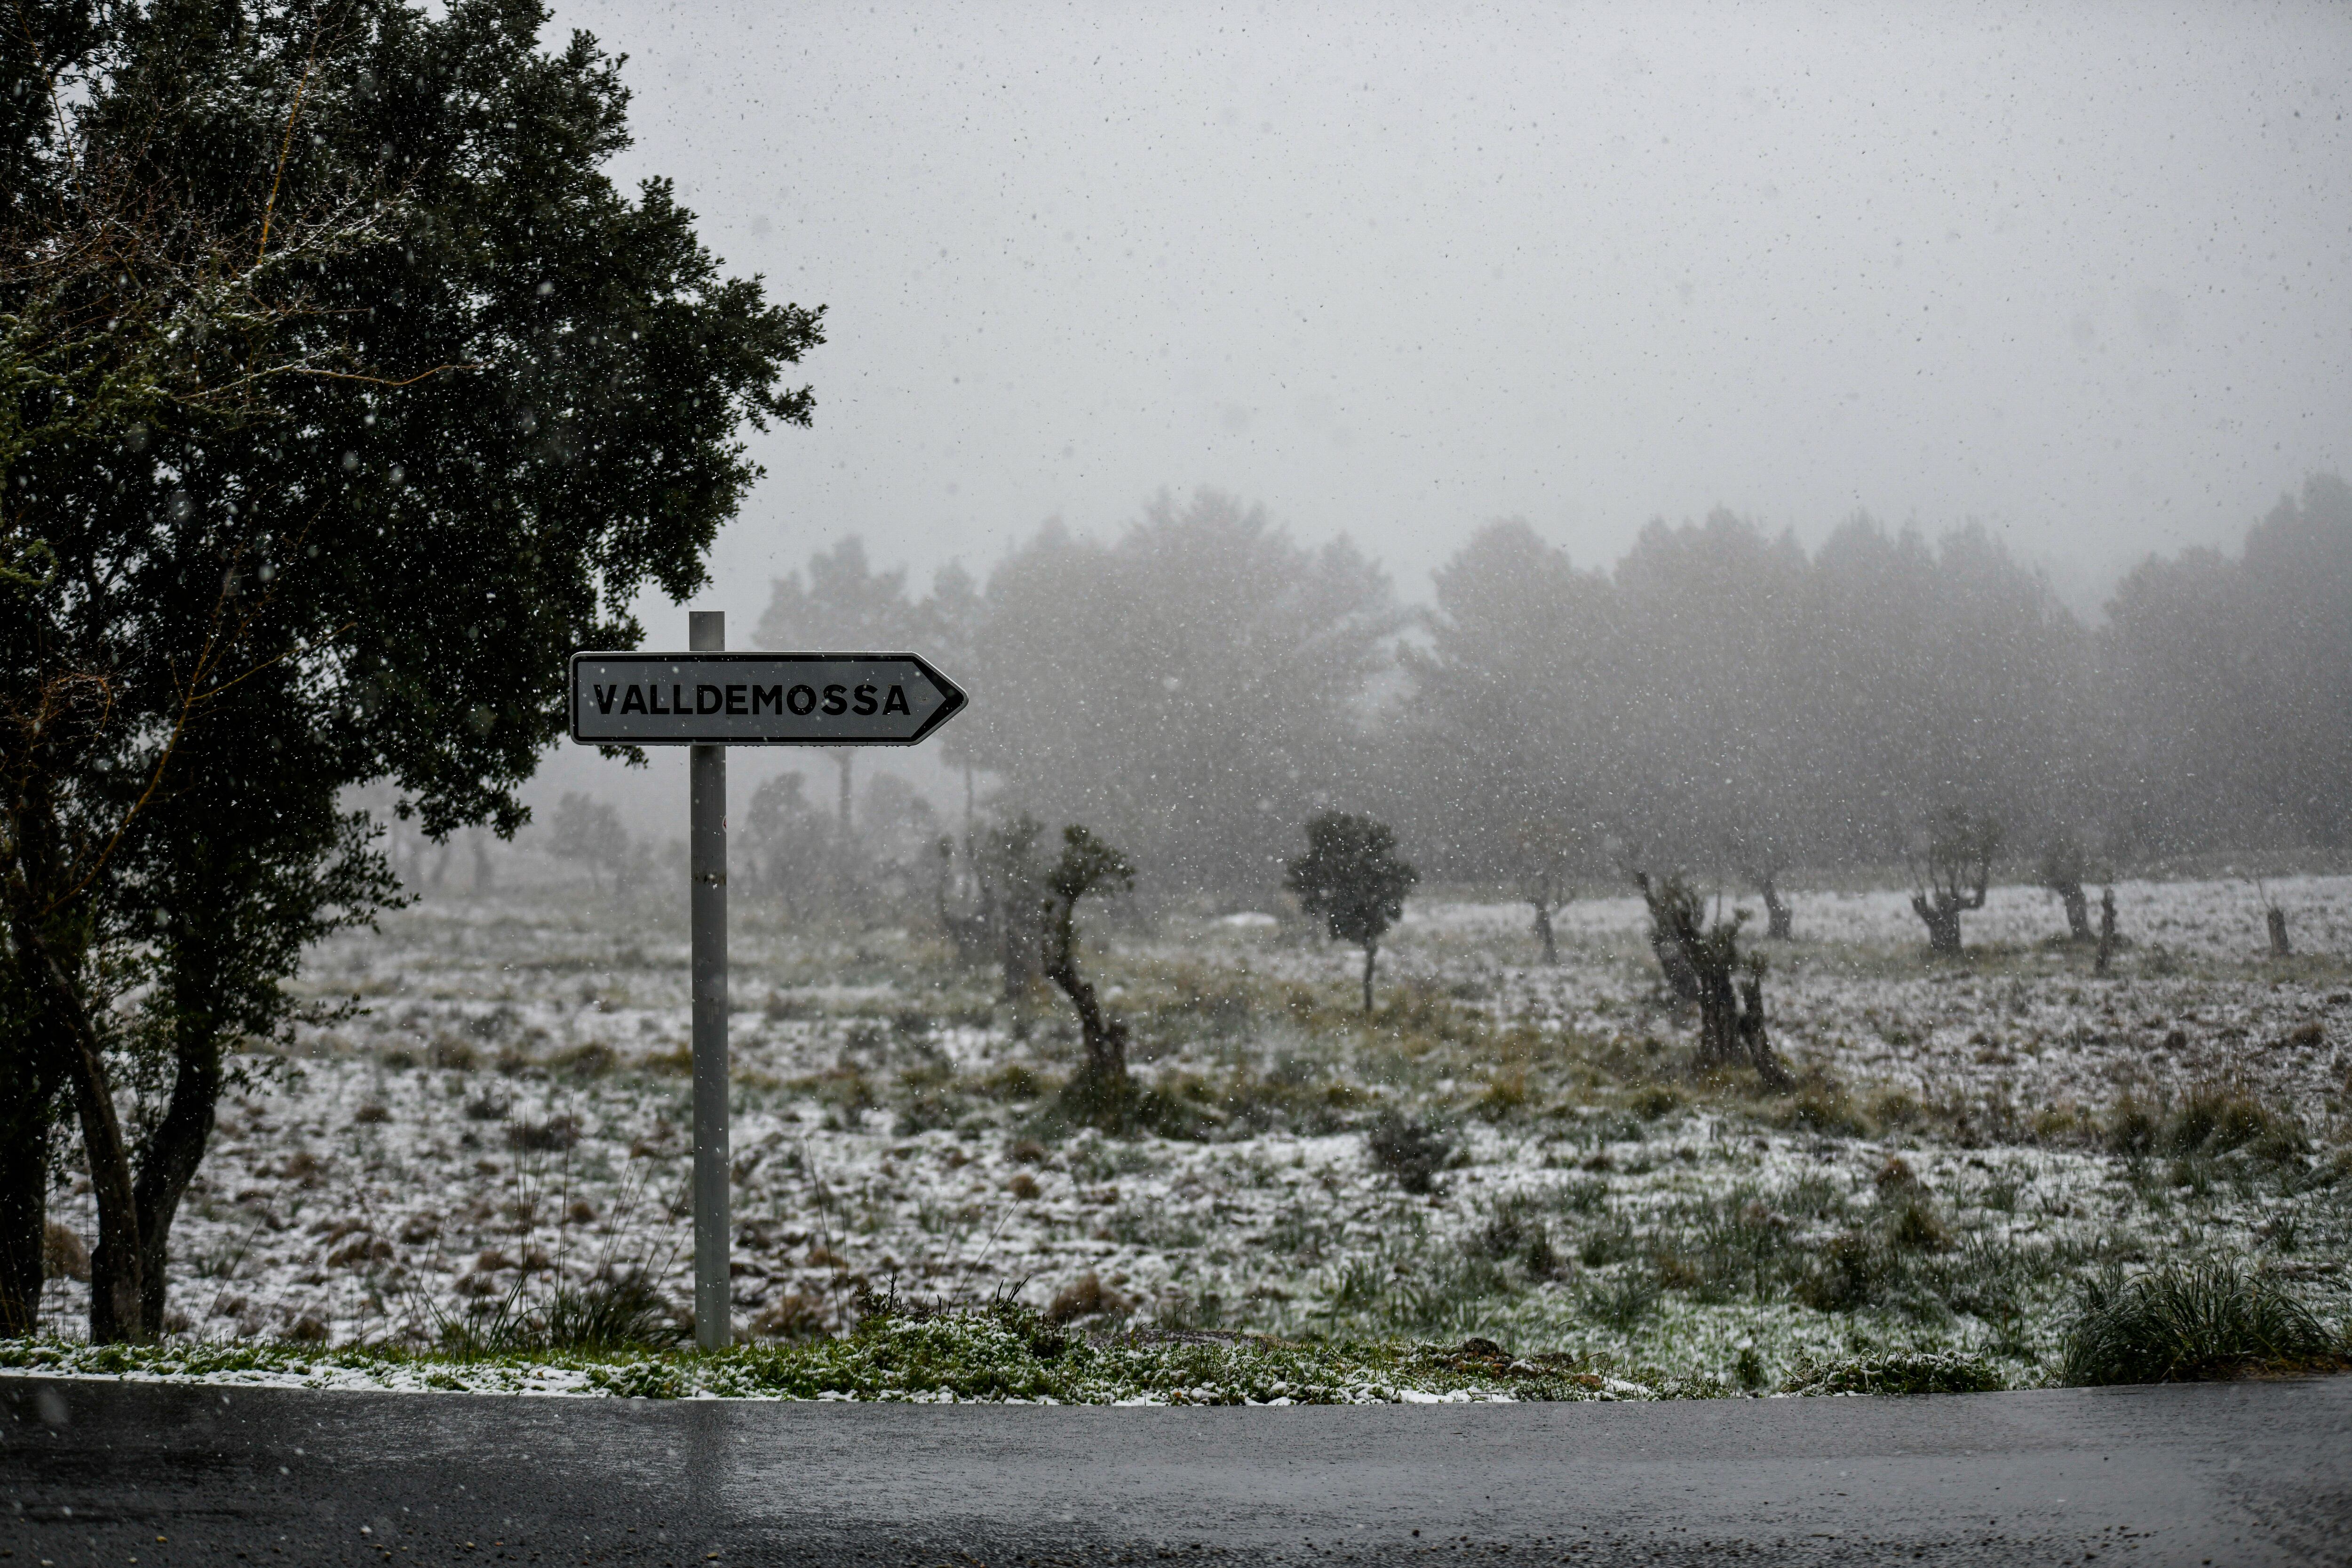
(508, 1108)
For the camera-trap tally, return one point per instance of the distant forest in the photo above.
(1721, 699)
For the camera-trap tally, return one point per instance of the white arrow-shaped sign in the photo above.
(758, 698)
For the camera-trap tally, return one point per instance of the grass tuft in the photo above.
(2185, 1321)
(1408, 1150)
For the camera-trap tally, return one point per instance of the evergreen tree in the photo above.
(464, 402)
(1351, 878)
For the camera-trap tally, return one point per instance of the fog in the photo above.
(2077, 275)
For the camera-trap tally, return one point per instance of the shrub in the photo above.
(1896, 1372)
(1514, 1229)
(1914, 1225)
(1658, 1100)
(1853, 1272)
(593, 1059)
(2184, 1321)
(1408, 1150)
(2133, 1131)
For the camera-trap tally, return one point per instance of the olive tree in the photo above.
(1950, 871)
(1088, 866)
(1732, 1029)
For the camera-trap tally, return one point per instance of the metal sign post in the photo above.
(708, 700)
(705, 856)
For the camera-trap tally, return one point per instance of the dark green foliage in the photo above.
(1411, 1151)
(2219, 660)
(1351, 878)
(2182, 1322)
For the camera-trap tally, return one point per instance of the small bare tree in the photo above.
(1731, 1029)
(1088, 865)
(1762, 856)
(2106, 930)
(1546, 854)
(1950, 873)
(2274, 921)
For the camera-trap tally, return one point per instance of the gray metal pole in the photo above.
(714, 1323)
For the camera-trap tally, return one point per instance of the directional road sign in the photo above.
(758, 698)
(711, 700)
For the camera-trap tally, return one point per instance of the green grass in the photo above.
(1898, 1372)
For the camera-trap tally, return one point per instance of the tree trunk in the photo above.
(1718, 1023)
(171, 1159)
(2106, 930)
(1371, 956)
(1942, 919)
(24, 1186)
(1754, 1044)
(1544, 933)
(1681, 978)
(1105, 1037)
(1780, 920)
(2275, 918)
(2078, 912)
(116, 1296)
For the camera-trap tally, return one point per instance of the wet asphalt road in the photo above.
(113, 1473)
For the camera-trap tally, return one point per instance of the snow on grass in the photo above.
(507, 1116)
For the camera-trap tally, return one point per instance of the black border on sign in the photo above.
(955, 704)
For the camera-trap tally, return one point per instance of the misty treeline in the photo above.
(1721, 699)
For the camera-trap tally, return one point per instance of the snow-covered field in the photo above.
(507, 1110)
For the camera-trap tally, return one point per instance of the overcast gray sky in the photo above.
(2079, 271)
